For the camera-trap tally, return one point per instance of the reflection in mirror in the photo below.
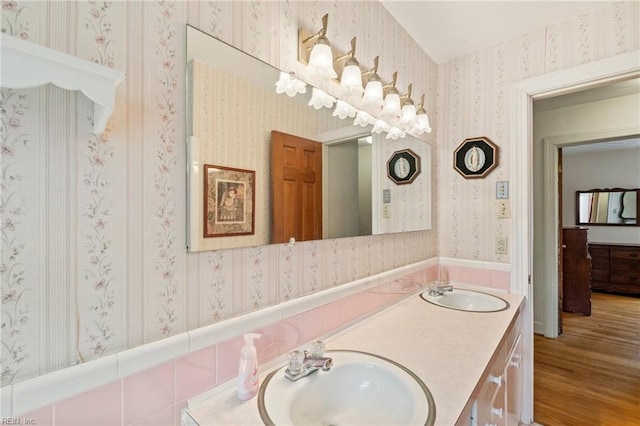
(607, 207)
(232, 110)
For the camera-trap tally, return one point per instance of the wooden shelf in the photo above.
(26, 65)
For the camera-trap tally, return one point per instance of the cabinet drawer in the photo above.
(625, 253)
(599, 275)
(626, 277)
(600, 262)
(599, 251)
(625, 265)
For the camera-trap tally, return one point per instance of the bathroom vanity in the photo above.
(468, 360)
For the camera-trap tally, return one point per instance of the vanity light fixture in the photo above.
(364, 119)
(290, 85)
(344, 110)
(381, 126)
(408, 114)
(373, 93)
(377, 104)
(395, 133)
(351, 79)
(391, 107)
(321, 99)
(320, 60)
(422, 119)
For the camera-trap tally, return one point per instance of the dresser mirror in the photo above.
(232, 109)
(607, 207)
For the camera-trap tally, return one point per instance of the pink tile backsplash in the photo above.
(313, 324)
(227, 356)
(164, 417)
(501, 280)
(268, 343)
(43, 416)
(157, 395)
(291, 333)
(99, 406)
(147, 392)
(195, 373)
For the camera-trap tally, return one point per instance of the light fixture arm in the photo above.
(391, 87)
(349, 54)
(407, 97)
(420, 106)
(321, 33)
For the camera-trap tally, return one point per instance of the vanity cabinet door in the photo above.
(513, 378)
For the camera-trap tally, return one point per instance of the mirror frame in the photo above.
(608, 190)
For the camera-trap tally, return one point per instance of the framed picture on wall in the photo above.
(475, 157)
(229, 201)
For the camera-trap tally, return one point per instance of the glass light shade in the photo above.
(363, 119)
(373, 94)
(391, 107)
(351, 81)
(344, 110)
(321, 99)
(422, 123)
(395, 133)
(290, 85)
(380, 126)
(321, 60)
(408, 113)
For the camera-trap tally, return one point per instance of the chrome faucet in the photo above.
(439, 290)
(301, 364)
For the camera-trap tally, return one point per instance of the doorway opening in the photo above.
(597, 73)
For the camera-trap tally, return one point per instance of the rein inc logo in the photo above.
(17, 421)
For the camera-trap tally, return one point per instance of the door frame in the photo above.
(523, 92)
(551, 214)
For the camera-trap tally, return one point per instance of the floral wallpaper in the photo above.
(94, 254)
(16, 305)
(473, 100)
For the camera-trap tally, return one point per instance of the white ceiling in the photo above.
(447, 30)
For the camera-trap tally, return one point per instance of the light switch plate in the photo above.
(502, 190)
(386, 195)
(502, 209)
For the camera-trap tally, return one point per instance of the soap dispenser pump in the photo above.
(248, 368)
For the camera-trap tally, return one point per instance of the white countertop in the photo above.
(448, 349)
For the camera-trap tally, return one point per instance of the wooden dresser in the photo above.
(615, 267)
(576, 268)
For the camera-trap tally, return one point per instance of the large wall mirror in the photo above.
(233, 111)
(612, 207)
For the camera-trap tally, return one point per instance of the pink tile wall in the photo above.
(148, 392)
(100, 405)
(157, 395)
(479, 276)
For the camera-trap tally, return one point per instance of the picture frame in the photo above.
(229, 201)
(475, 157)
(403, 166)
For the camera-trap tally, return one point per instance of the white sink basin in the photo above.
(360, 389)
(467, 300)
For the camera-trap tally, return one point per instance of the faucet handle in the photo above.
(296, 362)
(316, 349)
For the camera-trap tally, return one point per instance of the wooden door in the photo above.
(296, 185)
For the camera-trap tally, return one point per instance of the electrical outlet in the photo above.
(502, 207)
(386, 211)
(501, 245)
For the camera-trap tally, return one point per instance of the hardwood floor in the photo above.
(590, 375)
